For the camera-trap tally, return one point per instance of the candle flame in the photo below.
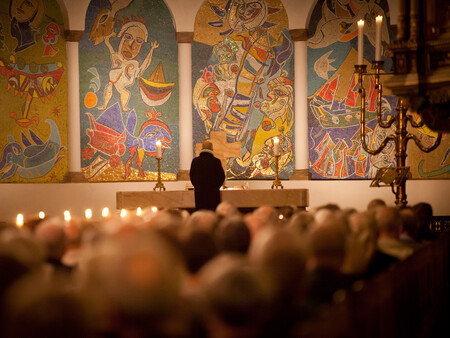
(88, 213)
(19, 220)
(105, 212)
(139, 211)
(123, 213)
(41, 215)
(67, 215)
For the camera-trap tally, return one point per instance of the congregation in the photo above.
(214, 274)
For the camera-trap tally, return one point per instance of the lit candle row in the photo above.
(378, 24)
(20, 220)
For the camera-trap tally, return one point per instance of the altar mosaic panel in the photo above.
(33, 92)
(335, 149)
(128, 91)
(243, 85)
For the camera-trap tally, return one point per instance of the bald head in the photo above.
(207, 145)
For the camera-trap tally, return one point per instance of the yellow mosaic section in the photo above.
(205, 33)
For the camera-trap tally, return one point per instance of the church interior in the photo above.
(330, 119)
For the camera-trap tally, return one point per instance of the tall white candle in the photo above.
(378, 22)
(158, 149)
(276, 146)
(360, 41)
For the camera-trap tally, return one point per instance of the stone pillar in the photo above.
(301, 107)
(185, 103)
(73, 78)
(414, 22)
(402, 21)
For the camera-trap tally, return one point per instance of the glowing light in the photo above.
(19, 220)
(41, 215)
(139, 211)
(378, 22)
(360, 41)
(154, 209)
(105, 212)
(67, 216)
(123, 213)
(276, 146)
(88, 213)
(158, 149)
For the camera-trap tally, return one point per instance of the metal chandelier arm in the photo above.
(391, 119)
(380, 148)
(415, 124)
(420, 145)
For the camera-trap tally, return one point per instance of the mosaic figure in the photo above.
(128, 68)
(125, 68)
(25, 15)
(33, 85)
(246, 87)
(335, 149)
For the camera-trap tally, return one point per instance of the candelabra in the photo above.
(159, 185)
(400, 173)
(276, 184)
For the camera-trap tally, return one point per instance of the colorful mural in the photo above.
(335, 149)
(243, 85)
(128, 91)
(33, 92)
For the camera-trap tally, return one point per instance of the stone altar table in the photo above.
(240, 198)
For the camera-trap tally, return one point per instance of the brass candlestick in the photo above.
(276, 184)
(159, 185)
(400, 173)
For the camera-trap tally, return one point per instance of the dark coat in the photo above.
(207, 176)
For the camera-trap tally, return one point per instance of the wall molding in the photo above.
(300, 175)
(73, 36)
(299, 34)
(185, 37)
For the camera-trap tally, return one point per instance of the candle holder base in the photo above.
(159, 185)
(377, 65)
(360, 69)
(276, 184)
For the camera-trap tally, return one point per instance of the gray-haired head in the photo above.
(207, 145)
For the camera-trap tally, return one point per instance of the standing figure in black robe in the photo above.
(207, 176)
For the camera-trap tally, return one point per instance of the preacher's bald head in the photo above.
(207, 145)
